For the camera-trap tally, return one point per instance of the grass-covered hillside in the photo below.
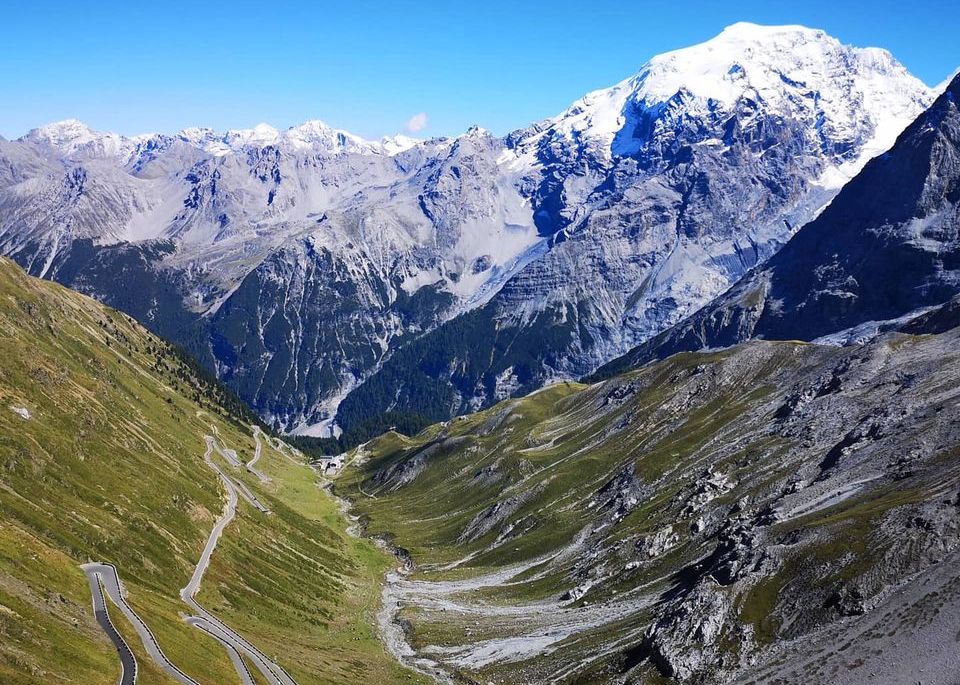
(774, 512)
(102, 431)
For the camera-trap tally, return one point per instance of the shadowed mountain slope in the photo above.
(887, 247)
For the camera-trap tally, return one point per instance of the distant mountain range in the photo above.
(339, 283)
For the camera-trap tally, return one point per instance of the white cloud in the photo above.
(417, 122)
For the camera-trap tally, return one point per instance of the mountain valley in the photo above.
(337, 284)
(662, 389)
(103, 458)
(715, 517)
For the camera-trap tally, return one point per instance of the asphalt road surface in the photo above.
(256, 457)
(105, 576)
(204, 620)
(103, 580)
(128, 662)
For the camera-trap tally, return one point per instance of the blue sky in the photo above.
(369, 67)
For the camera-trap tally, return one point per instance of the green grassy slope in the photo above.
(752, 490)
(109, 468)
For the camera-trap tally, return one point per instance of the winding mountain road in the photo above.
(291, 454)
(104, 578)
(245, 677)
(248, 495)
(231, 456)
(256, 457)
(204, 620)
(128, 662)
(228, 454)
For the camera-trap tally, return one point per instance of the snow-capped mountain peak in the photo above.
(743, 58)
(848, 93)
(393, 145)
(943, 85)
(258, 136)
(63, 132)
(316, 134)
(580, 236)
(313, 132)
(72, 137)
(311, 136)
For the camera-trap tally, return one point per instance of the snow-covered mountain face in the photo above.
(885, 252)
(706, 160)
(295, 263)
(658, 194)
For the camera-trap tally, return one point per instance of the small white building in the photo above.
(328, 464)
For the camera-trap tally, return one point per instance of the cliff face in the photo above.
(885, 250)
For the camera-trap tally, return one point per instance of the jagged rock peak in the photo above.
(72, 138)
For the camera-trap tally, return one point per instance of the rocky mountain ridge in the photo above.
(773, 512)
(559, 246)
(884, 252)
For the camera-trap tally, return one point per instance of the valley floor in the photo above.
(770, 513)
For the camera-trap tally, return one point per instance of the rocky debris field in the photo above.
(769, 512)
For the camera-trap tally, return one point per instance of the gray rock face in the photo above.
(283, 338)
(297, 263)
(681, 197)
(887, 248)
(291, 266)
(773, 512)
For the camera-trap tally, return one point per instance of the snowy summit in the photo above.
(846, 93)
